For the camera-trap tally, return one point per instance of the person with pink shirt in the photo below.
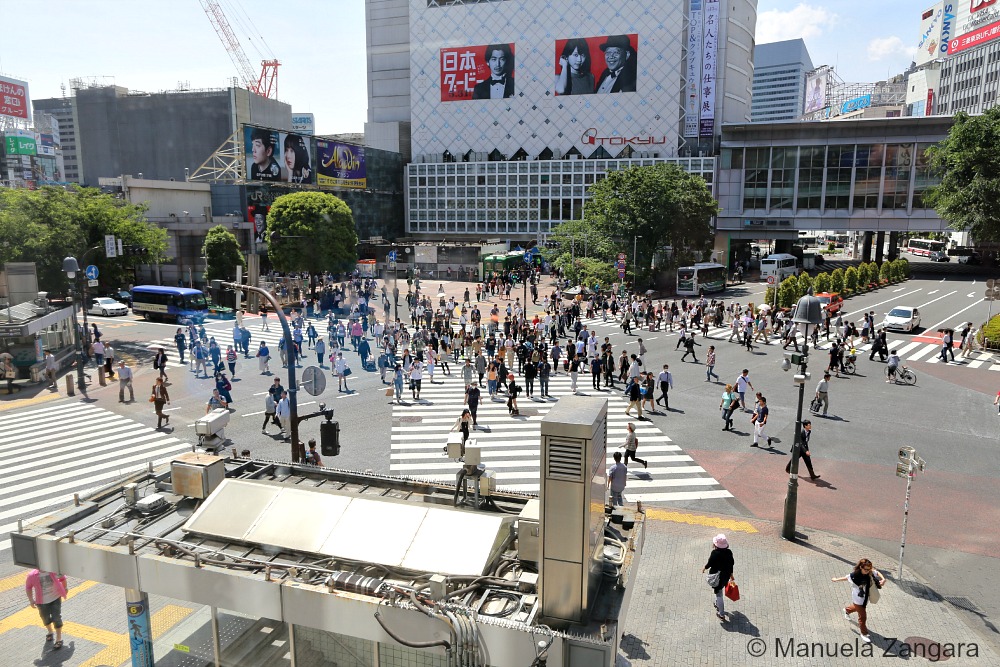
(46, 591)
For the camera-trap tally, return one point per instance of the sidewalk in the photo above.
(789, 612)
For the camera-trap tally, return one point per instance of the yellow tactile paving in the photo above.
(735, 525)
(29, 616)
(14, 581)
(116, 646)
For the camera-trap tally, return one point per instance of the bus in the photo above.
(703, 277)
(780, 265)
(177, 304)
(923, 247)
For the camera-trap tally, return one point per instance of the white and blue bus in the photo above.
(702, 278)
(176, 304)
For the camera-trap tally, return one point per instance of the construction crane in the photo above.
(266, 83)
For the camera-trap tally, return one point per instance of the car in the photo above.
(902, 318)
(107, 306)
(939, 256)
(832, 301)
(971, 258)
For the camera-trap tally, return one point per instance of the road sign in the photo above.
(770, 280)
(620, 264)
(621, 273)
(313, 381)
(110, 249)
(92, 272)
(528, 258)
(621, 255)
(91, 283)
(392, 255)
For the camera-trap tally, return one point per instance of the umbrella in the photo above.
(765, 306)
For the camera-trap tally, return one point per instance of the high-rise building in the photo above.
(779, 79)
(510, 108)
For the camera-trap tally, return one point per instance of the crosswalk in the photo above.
(48, 454)
(909, 351)
(511, 445)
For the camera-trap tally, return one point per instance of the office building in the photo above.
(779, 79)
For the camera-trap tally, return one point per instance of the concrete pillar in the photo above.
(893, 245)
(879, 245)
(140, 634)
(100, 376)
(70, 389)
(866, 248)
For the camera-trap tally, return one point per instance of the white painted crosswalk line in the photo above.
(983, 358)
(923, 352)
(510, 445)
(48, 454)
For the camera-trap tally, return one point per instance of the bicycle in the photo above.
(850, 365)
(902, 375)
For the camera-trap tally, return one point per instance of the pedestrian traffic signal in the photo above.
(329, 438)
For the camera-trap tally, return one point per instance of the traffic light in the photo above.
(329, 438)
(133, 251)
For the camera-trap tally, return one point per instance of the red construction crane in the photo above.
(266, 83)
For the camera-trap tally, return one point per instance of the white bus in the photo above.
(923, 247)
(702, 278)
(780, 265)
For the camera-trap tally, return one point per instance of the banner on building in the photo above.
(20, 142)
(589, 65)
(694, 46)
(14, 99)
(477, 72)
(709, 68)
(297, 164)
(303, 123)
(815, 92)
(341, 165)
(261, 147)
(929, 45)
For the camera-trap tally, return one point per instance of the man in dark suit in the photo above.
(500, 60)
(620, 75)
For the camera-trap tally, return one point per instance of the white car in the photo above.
(902, 318)
(106, 306)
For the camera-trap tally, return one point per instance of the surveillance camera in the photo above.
(322, 407)
(785, 364)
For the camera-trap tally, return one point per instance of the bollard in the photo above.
(69, 385)
(100, 376)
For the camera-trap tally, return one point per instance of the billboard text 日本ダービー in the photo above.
(477, 72)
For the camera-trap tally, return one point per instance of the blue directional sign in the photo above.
(91, 272)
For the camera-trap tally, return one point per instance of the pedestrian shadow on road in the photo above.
(741, 623)
(634, 648)
(55, 658)
(822, 483)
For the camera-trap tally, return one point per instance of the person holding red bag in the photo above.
(720, 572)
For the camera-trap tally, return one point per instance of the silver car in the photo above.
(106, 306)
(902, 318)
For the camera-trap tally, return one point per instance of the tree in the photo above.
(837, 280)
(851, 279)
(884, 273)
(969, 167)
(222, 254)
(662, 203)
(51, 223)
(805, 282)
(822, 282)
(312, 231)
(788, 292)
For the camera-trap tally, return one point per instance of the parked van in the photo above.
(780, 265)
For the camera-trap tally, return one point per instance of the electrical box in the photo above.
(473, 453)
(195, 475)
(528, 532)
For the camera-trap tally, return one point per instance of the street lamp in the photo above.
(71, 268)
(635, 265)
(808, 313)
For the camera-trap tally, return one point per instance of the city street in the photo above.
(52, 446)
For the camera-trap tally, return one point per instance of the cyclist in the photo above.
(892, 366)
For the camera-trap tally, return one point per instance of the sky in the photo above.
(152, 46)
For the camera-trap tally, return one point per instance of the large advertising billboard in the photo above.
(20, 142)
(279, 156)
(709, 68)
(815, 92)
(261, 150)
(590, 65)
(303, 123)
(340, 164)
(477, 72)
(691, 96)
(929, 45)
(969, 23)
(14, 99)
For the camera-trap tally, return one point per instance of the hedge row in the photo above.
(855, 280)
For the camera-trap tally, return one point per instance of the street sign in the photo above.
(528, 257)
(621, 273)
(92, 283)
(770, 280)
(621, 255)
(110, 249)
(313, 381)
(92, 272)
(620, 265)
(392, 255)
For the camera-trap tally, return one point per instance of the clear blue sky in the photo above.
(151, 46)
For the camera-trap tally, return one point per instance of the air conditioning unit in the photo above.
(574, 451)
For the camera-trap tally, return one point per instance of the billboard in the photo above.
(591, 65)
(20, 142)
(339, 164)
(14, 99)
(691, 105)
(297, 164)
(974, 38)
(709, 68)
(929, 45)
(856, 104)
(303, 123)
(815, 92)
(261, 147)
(477, 72)
(968, 24)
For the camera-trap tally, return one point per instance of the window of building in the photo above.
(783, 163)
(868, 176)
(924, 177)
(755, 178)
(898, 163)
(811, 159)
(839, 161)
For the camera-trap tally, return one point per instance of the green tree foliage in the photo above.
(821, 283)
(222, 254)
(663, 204)
(317, 233)
(51, 223)
(788, 292)
(805, 282)
(582, 239)
(884, 271)
(903, 267)
(968, 164)
(837, 280)
(873, 273)
(851, 279)
(769, 295)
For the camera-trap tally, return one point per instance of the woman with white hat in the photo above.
(720, 571)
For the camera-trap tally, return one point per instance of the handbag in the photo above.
(152, 399)
(732, 590)
(347, 371)
(390, 392)
(10, 375)
(874, 593)
(712, 579)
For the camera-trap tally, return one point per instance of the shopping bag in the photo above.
(389, 392)
(732, 590)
